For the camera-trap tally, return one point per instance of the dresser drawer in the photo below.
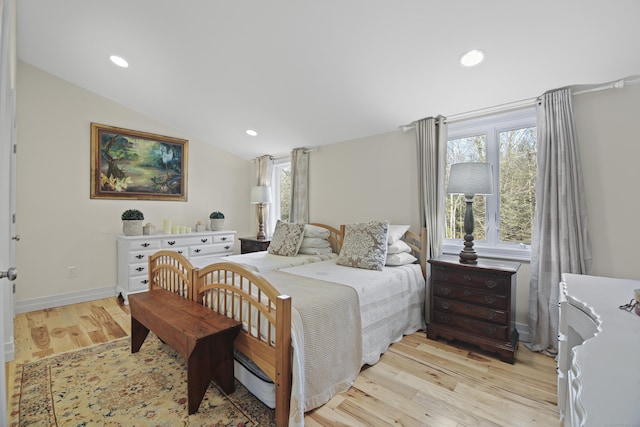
(470, 310)
(146, 244)
(470, 295)
(138, 283)
(139, 257)
(178, 241)
(222, 238)
(485, 329)
(216, 248)
(138, 269)
(489, 282)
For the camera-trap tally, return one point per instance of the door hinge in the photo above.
(13, 218)
(15, 148)
(14, 288)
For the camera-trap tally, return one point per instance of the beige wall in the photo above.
(367, 178)
(60, 225)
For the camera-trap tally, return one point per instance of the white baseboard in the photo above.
(523, 332)
(43, 303)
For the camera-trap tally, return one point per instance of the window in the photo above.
(503, 220)
(281, 192)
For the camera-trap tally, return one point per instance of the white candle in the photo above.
(166, 226)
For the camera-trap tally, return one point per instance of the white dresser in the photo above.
(133, 251)
(598, 352)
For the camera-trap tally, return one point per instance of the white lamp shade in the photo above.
(260, 194)
(471, 178)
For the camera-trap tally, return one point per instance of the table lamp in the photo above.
(260, 195)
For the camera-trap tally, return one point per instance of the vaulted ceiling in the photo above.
(308, 73)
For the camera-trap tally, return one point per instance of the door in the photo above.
(7, 186)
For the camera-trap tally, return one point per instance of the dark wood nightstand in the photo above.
(251, 244)
(475, 304)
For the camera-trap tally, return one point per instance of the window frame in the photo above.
(491, 126)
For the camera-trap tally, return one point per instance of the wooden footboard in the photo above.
(171, 271)
(238, 293)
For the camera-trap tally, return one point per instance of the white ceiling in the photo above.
(308, 73)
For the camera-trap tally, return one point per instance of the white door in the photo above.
(7, 186)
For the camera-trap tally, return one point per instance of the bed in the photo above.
(279, 308)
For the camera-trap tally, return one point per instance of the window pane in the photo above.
(285, 193)
(518, 164)
(462, 150)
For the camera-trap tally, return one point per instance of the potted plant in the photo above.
(217, 220)
(132, 222)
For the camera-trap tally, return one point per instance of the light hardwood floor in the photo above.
(418, 382)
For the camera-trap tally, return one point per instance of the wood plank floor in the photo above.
(418, 382)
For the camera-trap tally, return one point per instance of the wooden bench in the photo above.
(203, 337)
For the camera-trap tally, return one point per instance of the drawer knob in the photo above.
(467, 321)
(171, 242)
(223, 239)
(204, 240)
(491, 314)
(490, 299)
(445, 291)
(145, 245)
(491, 330)
(491, 284)
(139, 256)
(180, 252)
(197, 251)
(445, 319)
(467, 277)
(466, 292)
(227, 247)
(145, 281)
(444, 304)
(444, 276)
(140, 269)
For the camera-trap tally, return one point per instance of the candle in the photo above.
(188, 229)
(166, 226)
(175, 229)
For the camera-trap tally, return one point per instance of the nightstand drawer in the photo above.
(485, 329)
(470, 295)
(471, 310)
(485, 282)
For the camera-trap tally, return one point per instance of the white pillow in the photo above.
(314, 251)
(364, 245)
(315, 231)
(400, 259)
(397, 247)
(314, 242)
(396, 232)
(286, 239)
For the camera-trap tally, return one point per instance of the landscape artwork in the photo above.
(128, 164)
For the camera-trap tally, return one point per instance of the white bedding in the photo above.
(262, 261)
(391, 301)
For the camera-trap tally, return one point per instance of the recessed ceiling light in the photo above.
(251, 132)
(472, 57)
(119, 61)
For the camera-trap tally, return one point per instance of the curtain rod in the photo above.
(617, 84)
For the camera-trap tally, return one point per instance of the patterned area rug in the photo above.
(106, 385)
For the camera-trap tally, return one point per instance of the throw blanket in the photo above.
(326, 339)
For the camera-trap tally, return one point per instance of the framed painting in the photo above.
(128, 164)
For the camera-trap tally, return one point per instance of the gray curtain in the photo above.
(560, 242)
(264, 171)
(299, 207)
(431, 140)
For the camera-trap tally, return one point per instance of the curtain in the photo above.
(560, 242)
(264, 171)
(431, 139)
(299, 207)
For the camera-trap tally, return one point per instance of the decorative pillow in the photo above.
(315, 231)
(314, 242)
(396, 232)
(397, 247)
(364, 245)
(314, 251)
(286, 239)
(401, 258)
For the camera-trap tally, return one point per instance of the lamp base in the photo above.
(468, 255)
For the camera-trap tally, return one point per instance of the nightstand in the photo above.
(475, 304)
(251, 244)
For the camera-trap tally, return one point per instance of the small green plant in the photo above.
(216, 215)
(132, 214)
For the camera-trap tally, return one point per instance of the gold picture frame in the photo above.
(130, 164)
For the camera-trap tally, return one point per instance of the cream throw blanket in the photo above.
(326, 339)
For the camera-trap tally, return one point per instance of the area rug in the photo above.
(106, 385)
